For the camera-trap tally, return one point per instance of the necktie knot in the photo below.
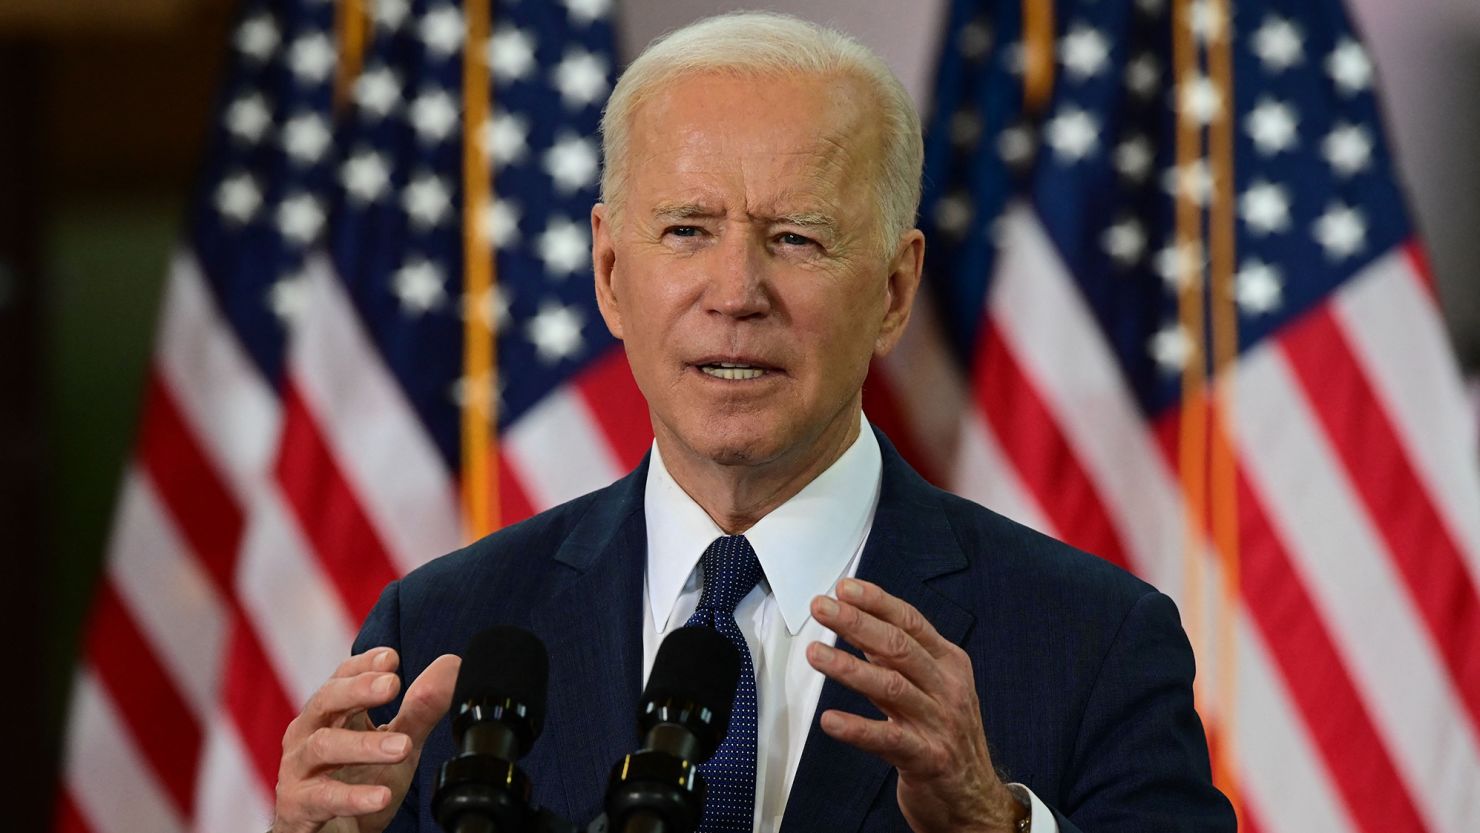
(731, 571)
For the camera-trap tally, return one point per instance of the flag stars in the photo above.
(248, 117)
(433, 115)
(442, 30)
(427, 201)
(1258, 287)
(505, 138)
(1349, 67)
(510, 54)
(1206, 21)
(377, 91)
(1133, 159)
(953, 214)
(1171, 348)
(1073, 134)
(581, 78)
(1015, 145)
(501, 223)
(571, 163)
(258, 37)
(1265, 207)
(555, 332)
(1278, 44)
(1272, 126)
(1200, 100)
(299, 218)
(306, 137)
(237, 198)
(966, 128)
(1341, 231)
(1348, 149)
(1124, 241)
(974, 41)
(492, 307)
(390, 14)
(312, 58)
(469, 391)
(1143, 75)
(1194, 181)
(1084, 52)
(1179, 264)
(586, 12)
(365, 176)
(420, 287)
(288, 299)
(565, 248)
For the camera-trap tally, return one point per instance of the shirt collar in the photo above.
(804, 545)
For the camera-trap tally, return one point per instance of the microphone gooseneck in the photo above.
(683, 715)
(499, 710)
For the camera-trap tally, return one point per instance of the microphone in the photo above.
(499, 703)
(683, 716)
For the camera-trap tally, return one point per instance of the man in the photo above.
(754, 251)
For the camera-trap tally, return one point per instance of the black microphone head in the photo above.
(693, 682)
(505, 664)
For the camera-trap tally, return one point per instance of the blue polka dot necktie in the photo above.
(730, 572)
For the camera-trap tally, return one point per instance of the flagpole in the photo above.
(479, 407)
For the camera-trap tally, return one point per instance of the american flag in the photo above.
(319, 414)
(1199, 339)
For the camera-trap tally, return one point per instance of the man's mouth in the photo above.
(733, 372)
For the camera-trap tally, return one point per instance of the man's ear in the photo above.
(905, 269)
(604, 264)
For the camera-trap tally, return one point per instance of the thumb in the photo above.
(427, 700)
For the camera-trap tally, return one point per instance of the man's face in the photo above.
(745, 272)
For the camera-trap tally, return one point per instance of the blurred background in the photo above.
(103, 110)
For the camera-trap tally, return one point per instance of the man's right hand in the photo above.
(339, 771)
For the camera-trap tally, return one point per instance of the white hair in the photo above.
(770, 44)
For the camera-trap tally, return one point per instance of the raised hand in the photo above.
(341, 773)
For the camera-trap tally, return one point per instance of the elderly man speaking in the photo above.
(914, 661)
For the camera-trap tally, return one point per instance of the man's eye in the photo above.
(684, 231)
(793, 239)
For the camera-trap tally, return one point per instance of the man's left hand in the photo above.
(932, 732)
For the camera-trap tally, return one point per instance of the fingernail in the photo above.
(822, 653)
(383, 659)
(383, 685)
(394, 744)
(827, 606)
(850, 589)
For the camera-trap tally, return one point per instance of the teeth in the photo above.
(733, 372)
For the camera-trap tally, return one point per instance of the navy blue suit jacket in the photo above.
(1083, 671)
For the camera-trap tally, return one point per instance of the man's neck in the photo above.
(737, 496)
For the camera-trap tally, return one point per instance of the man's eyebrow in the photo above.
(683, 211)
(806, 219)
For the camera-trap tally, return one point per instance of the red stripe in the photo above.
(513, 500)
(1418, 261)
(328, 510)
(1395, 497)
(69, 817)
(158, 718)
(612, 395)
(1343, 732)
(256, 700)
(1031, 439)
(200, 504)
(882, 405)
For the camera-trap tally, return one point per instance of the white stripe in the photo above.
(1055, 338)
(229, 797)
(112, 785)
(556, 451)
(223, 396)
(1399, 340)
(984, 474)
(1281, 775)
(1360, 595)
(305, 630)
(376, 437)
(173, 600)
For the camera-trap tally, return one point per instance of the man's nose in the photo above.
(738, 286)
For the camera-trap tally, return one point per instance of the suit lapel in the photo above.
(910, 544)
(593, 630)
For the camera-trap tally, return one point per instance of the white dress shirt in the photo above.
(804, 546)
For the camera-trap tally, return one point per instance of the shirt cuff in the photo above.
(1042, 820)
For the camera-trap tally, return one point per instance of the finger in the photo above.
(883, 642)
(428, 699)
(886, 688)
(375, 659)
(323, 798)
(330, 748)
(872, 598)
(341, 698)
(885, 739)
